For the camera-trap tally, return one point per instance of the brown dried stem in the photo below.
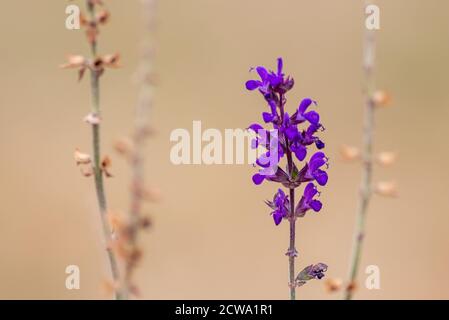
(369, 51)
(141, 131)
(98, 173)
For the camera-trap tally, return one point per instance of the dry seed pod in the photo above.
(102, 17)
(386, 189)
(381, 98)
(74, 61)
(352, 286)
(386, 158)
(349, 153)
(86, 171)
(82, 158)
(124, 146)
(111, 60)
(106, 166)
(333, 284)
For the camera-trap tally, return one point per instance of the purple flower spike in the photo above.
(307, 202)
(289, 141)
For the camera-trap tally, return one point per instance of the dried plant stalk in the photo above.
(98, 172)
(369, 50)
(141, 130)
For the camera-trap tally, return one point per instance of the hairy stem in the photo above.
(98, 174)
(291, 252)
(365, 188)
(292, 248)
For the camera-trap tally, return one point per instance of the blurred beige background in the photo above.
(213, 237)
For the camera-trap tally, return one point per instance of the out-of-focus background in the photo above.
(212, 236)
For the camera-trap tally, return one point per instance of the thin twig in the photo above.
(98, 173)
(369, 51)
(141, 130)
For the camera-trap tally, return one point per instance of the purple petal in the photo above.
(316, 205)
(253, 84)
(267, 117)
(309, 191)
(264, 160)
(316, 164)
(254, 143)
(281, 193)
(272, 106)
(258, 179)
(320, 177)
(277, 217)
(291, 132)
(280, 65)
(263, 73)
(319, 144)
(300, 153)
(255, 127)
(305, 103)
(317, 155)
(313, 117)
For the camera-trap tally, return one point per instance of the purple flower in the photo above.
(307, 202)
(270, 174)
(312, 171)
(269, 160)
(271, 116)
(271, 82)
(308, 136)
(301, 115)
(280, 205)
(311, 272)
(317, 271)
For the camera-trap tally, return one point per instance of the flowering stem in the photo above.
(98, 174)
(292, 249)
(292, 219)
(365, 189)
